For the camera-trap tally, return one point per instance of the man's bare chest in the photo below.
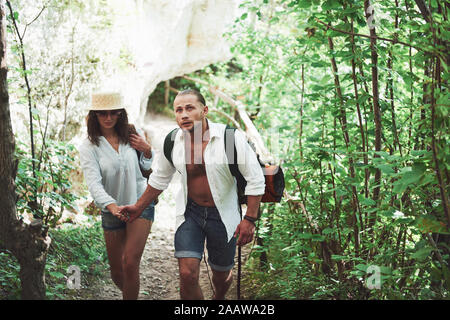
(195, 161)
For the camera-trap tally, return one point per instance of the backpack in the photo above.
(132, 130)
(274, 177)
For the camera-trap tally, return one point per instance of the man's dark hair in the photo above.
(194, 92)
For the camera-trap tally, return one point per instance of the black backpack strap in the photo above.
(229, 140)
(232, 158)
(232, 164)
(169, 142)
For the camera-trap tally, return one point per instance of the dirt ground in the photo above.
(158, 272)
(159, 268)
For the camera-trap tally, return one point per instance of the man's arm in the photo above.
(246, 229)
(132, 212)
(251, 170)
(158, 181)
(253, 206)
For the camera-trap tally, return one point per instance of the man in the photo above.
(207, 206)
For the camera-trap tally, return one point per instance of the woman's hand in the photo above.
(130, 212)
(140, 144)
(115, 210)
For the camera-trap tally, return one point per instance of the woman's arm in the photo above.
(92, 175)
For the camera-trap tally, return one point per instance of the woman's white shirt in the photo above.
(111, 176)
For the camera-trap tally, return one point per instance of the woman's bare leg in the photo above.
(115, 244)
(136, 238)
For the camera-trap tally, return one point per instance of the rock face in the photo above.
(165, 39)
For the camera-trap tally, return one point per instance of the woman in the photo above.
(112, 170)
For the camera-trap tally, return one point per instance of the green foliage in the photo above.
(46, 194)
(340, 220)
(81, 246)
(9, 277)
(64, 62)
(156, 101)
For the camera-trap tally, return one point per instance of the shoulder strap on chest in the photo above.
(231, 153)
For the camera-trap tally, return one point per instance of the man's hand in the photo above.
(114, 209)
(129, 213)
(132, 212)
(245, 230)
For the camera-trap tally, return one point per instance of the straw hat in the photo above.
(107, 101)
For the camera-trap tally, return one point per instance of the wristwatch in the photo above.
(251, 219)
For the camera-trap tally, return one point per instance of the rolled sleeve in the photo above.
(162, 172)
(144, 162)
(249, 166)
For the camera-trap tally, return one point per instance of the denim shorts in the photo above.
(112, 223)
(204, 223)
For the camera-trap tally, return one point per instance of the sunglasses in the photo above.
(113, 113)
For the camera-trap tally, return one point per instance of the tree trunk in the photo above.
(25, 242)
(376, 105)
(343, 121)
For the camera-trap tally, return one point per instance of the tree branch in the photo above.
(38, 15)
(423, 10)
(368, 36)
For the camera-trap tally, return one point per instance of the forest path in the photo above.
(159, 268)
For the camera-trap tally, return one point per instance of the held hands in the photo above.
(128, 213)
(245, 230)
(140, 144)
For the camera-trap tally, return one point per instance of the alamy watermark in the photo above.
(374, 280)
(269, 147)
(74, 278)
(370, 19)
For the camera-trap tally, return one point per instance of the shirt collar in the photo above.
(213, 129)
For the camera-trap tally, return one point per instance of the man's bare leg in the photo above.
(189, 274)
(222, 281)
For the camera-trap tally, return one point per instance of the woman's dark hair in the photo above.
(194, 92)
(121, 127)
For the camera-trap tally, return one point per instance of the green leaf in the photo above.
(318, 237)
(56, 274)
(338, 257)
(368, 202)
(410, 177)
(362, 267)
(422, 254)
(386, 169)
(330, 5)
(305, 235)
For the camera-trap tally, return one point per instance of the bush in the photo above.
(75, 246)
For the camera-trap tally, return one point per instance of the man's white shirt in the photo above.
(221, 181)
